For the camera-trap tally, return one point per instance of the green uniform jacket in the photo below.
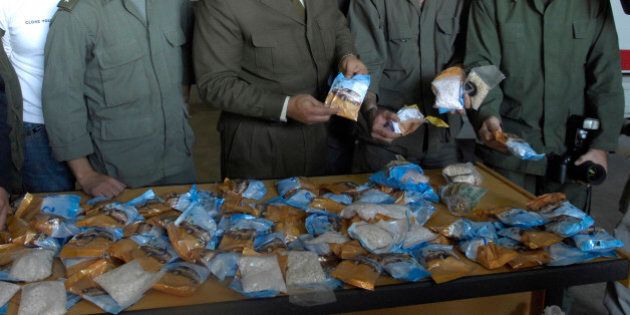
(112, 88)
(249, 55)
(559, 61)
(405, 47)
(14, 116)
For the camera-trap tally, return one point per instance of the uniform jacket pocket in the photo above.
(123, 74)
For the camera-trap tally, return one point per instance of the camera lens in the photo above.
(589, 173)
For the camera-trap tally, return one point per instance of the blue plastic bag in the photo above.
(564, 255)
(523, 150)
(65, 206)
(508, 243)
(597, 241)
(404, 268)
(256, 190)
(143, 199)
(513, 233)
(339, 198)
(382, 237)
(245, 222)
(318, 224)
(375, 196)
(422, 211)
(224, 265)
(198, 218)
(471, 247)
(268, 243)
(405, 176)
(464, 229)
(568, 226)
(521, 218)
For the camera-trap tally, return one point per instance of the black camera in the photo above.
(562, 168)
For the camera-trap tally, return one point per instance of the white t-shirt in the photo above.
(26, 24)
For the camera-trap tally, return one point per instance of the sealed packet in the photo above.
(325, 204)
(48, 297)
(404, 176)
(318, 224)
(369, 212)
(410, 118)
(442, 262)
(303, 268)
(547, 202)
(403, 267)
(529, 259)
(32, 265)
(261, 275)
(221, 265)
(150, 205)
(375, 196)
(287, 220)
(247, 189)
(421, 212)
(521, 218)
(65, 206)
(462, 173)
(237, 204)
(564, 255)
(182, 279)
(348, 250)
(448, 88)
(347, 95)
(273, 243)
(83, 280)
(239, 231)
(416, 236)
(322, 244)
(7, 291)
(54, 226)
(114, 215)
(193, 231)
(464, 229)
(91, 242)
(534, 239)
(518, 147)
(596, 240)
(361, 272)
(567, 225)
(462, 198)
(381, 237)
(127, 284)
(154, 254)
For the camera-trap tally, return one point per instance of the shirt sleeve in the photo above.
(483, 48)
(63, 96)
(5, 144)
(604, 92)
(217, 55)
(364, 21)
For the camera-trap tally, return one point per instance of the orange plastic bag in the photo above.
(547, 202)
(358, 273)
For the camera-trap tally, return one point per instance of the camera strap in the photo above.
(589, 198)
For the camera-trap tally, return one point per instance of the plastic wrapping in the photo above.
(65, 206)
(547, 202)
(291, 185)
(156, 253)
(127, 283)
(318, 224)
(343, 199)
(375, 196)
(48, 297)
(261, 273)
(330, 206)
(303, 268)
(404, 268)
(193, 231)
(361, 272)
(182, 279)
(416, 236)
(287, 220)
(270, 243)
(54, 226)
(348, 250)
(368, 212)
(568, 226)
(32, 265)
(539, 239)
(83, 280)
(448, 87)
(114, 215)
(123, 249)
(442, 262)
(143, 231)
(381, 237)
(239, 231)
(462, 173)
(91, 242)
(422, 211)
(464, 229)
(346, 95)
(597, 240)
(518, 147)
(493, 256)
(460, 198)
(410, 118)
(223, 265)
(7, 291)
(248, 189)
(404, 176)
(483, 79)
(521, 218)
(529, 259)
(320, 244)
(564, 255)
(237, 204)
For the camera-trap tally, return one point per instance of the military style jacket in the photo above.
(112, 87)
(405, 46)
(13, 94)
(250, 54)
(560, 60)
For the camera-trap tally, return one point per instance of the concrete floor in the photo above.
(587, 299)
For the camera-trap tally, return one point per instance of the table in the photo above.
(215, 298)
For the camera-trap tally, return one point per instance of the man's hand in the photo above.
(486, 133)
(381, 129)
(596, 156)
(308, 110)
(93, 183)
(350, 65)
(4, 207)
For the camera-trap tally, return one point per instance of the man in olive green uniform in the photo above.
(561, 58)
(405, 44)
(112, 92)
(266, 65)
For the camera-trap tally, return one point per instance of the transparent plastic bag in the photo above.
(303, 268)
(518, 147)
(32, 265)
(182, 279)
(318, 224)
(320, 244)
(114, 215)
(462, 173)
(48, 297)
(7, 291)
(410, 118)
(367, 211)
(460, 198)
(597, 240)
(128, 283)
(261, 273)
(381, 237)
(521, 218)
(65, 206)
(404, 176)
(347, 95)
(403, 268)
(464, 229)
(361, 272)
(448, 88)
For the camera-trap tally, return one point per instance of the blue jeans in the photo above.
(41, 172)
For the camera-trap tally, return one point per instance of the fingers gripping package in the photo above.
(347, 95)
(518, 147)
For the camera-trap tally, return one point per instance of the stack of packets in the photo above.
(410, 119)
(347, 95)
(307, 242)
